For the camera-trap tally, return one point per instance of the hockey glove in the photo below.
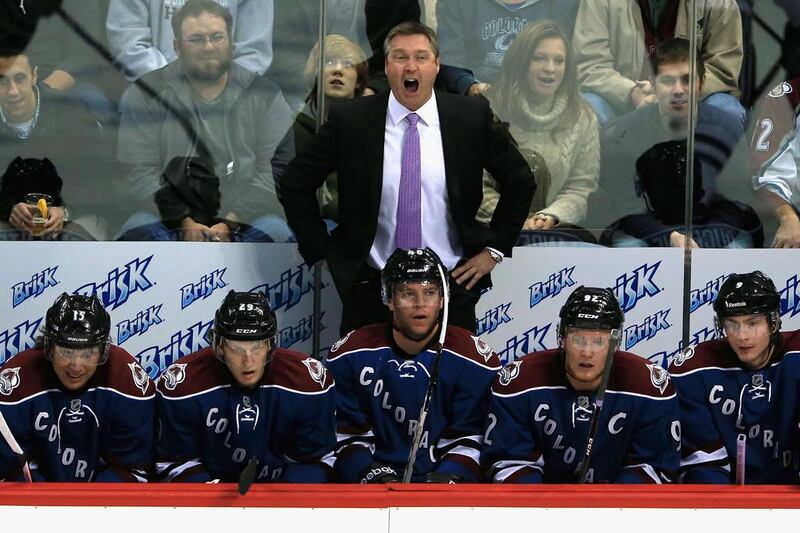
(379, 473)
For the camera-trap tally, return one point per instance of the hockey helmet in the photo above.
(590, 308)
(77, 321)
(244, 316)
(752, 293)
(412, 265)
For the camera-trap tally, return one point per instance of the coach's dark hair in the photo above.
(411, 28)
(676, 51)
(194, 8)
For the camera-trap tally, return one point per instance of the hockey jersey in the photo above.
(538, 424)
(101, 433)
(379, 393)
(722, 401)
(210, 428)
(775, 145)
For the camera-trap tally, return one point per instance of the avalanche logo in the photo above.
(156, 358)
(790, 298)
(683, 356)
(706, 295)
(120, 283)
(290, 288)
(140, 377)
(9, 380)
(300, 332)
(202, 289)
(551, 287)
(647, 329)
(316, 371)
(338, 344)
(483, 349)
(633, 286)
(35, 287)
(659, 377)
(509, 372)
(139, 324)
(525, 343)
(18, 339)
(173, 375)
(494, 318)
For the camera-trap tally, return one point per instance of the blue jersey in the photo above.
(379, 393)
(538, 424)
(103, 432)
(722, 401)
(210, 428)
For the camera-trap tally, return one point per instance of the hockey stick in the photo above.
(15, 447)
(598, 403)
(434, 377)
(248, 476)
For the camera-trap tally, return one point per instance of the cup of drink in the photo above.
(39, 206)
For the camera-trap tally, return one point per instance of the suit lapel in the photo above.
(372, 146)
(449, 126)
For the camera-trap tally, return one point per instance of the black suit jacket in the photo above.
(351, 142)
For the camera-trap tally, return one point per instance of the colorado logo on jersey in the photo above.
(140, 377)
(509, 372)
(316, 371)
(9, 380)
(780, 90)
(484, 350)
(174, 375)
(658, 377)
(338, 344)
(682, 356)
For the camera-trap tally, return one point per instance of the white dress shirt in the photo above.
(438, 230)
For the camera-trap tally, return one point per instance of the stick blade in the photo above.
(248, 476)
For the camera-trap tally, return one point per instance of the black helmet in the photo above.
(405, 266)
(590, 308)
(76, 321)
(752, 293)
(245, 316)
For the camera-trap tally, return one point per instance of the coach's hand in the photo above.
(474, 269)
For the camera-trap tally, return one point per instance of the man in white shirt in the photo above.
(364, 140)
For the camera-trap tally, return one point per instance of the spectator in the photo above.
(750, 364)
(613, 41)
(142, 33)
(383, 184)
(775, 158)
(475, 35)
(645, 166)
(80, 408)
(395, 360)
(240, 122)
(345, 77)
(537, 93)
(35, 124)
(297, 32)
(244, 401)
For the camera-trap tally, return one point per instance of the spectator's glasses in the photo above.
(199, 41)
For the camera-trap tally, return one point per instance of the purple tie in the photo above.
(408, 232)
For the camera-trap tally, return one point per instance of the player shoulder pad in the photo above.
(634, 374)
(24, 375)
(532, 371)
(790, 342)
(123, 373)
(462, 343)
(192, 374)
(372, 336)
(709, 354)
(298, 372)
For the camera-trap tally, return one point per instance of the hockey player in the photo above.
(739, 394)
(242, 400)
(80, 408)
(382, 372)
(543, 406)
